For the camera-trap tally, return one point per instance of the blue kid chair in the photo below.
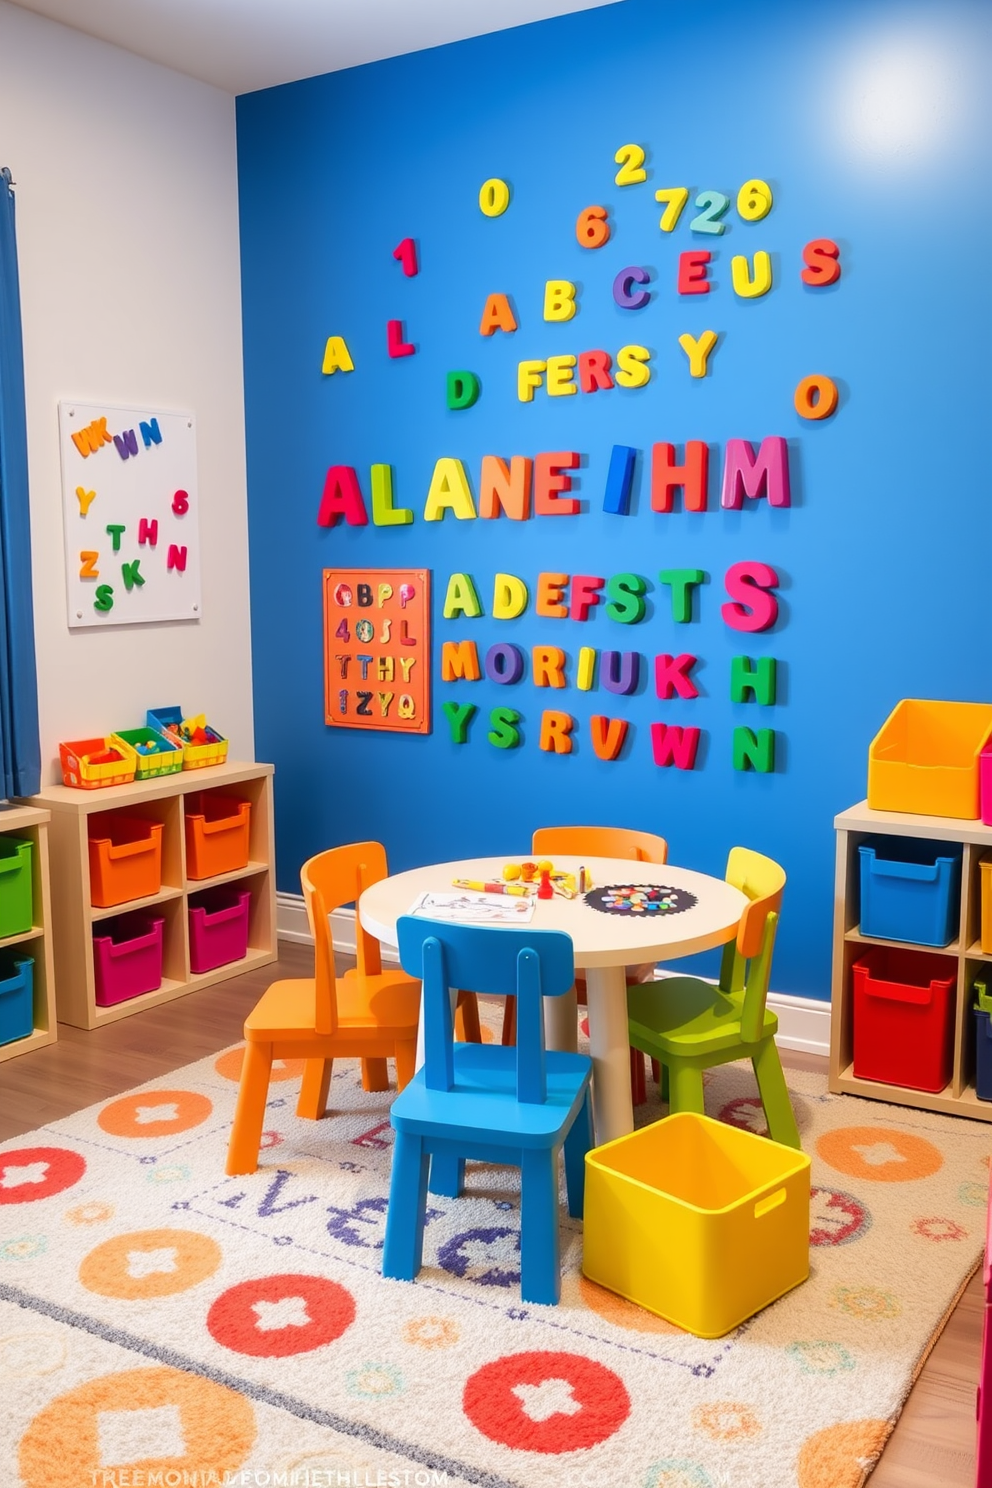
(493, 1103)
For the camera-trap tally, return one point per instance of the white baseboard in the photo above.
(803, 1022)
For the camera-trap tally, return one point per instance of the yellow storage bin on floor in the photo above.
(924, 760)
(699, 1222)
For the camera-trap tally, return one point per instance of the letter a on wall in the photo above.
(377, 649)
(129, 501)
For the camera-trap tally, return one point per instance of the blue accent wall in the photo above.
(868, 120)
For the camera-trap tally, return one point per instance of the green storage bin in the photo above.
(16, 889)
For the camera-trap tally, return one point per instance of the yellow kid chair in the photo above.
(597, 842)
(367, 1014)
(690, 1025)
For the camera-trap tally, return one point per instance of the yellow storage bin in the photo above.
(985, 867)
(701, 1223)
(924, 760)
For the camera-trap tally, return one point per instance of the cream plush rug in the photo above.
(163, 1324)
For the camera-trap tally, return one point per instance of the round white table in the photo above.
(604, 944)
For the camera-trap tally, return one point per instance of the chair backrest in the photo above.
(527, 964)
(330, 879)
(747, 961)
(599, 842)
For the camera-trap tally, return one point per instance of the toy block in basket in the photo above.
(91, 763)
(156, 753)
(202, 744)
(925, 758)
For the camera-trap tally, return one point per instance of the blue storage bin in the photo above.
(983, 1043)
(910, 890)
(16, 996)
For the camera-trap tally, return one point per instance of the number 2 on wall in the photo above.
(714, 204)
(630, 159)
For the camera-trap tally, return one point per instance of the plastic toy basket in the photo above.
(159, 754)
(82, 767)
(196, 756)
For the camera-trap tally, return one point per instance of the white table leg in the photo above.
(561, 1022)
(612, 1108)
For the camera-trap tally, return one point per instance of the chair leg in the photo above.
(314, 1087)
(540, 1265)
(577, 1144)
(509, 1035)
(249, 1113)
(406, 1062)
(638, 1089)
(375, 1075)
(403, 1250)
(775, 1095)
(656, 1073)
(447, 1174)
(685, 1087)
(468, 1030)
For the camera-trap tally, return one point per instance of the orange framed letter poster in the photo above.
(377, 649)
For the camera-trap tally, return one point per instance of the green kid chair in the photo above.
(689, 1025)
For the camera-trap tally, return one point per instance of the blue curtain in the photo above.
(20, 747)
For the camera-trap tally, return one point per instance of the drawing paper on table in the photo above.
(467, 906)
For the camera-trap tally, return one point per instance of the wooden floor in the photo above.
(933, 1443)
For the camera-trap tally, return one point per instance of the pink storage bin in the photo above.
(985, 781)
(127, 957)
(218, 927)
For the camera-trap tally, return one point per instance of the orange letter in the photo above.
(550, 480)
(506, 490)
(549, 666)
(550, 590)
(608, 735)
(497, 316)
(458, 659)
(556, 729)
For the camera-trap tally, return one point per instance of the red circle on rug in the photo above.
(29, 1173)
(546, 1402)
(271, 1317)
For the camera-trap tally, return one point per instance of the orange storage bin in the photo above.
(217, 828)
(125, 858)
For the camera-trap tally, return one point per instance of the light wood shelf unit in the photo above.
(32, 822)
(853, 827)
(161, 799)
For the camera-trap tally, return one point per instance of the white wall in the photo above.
(130, 294)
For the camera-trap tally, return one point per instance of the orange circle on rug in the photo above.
(154, 1113)
(272, 1317)
(29, 1173)
(726, 1420)
(879, 1153)
(837, 1456)
(546, 1402)
(620, 1312)
(69, 1442)
(149, 1263)
(228, 1065)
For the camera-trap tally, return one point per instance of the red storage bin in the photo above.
(127, 957)
(125, 858)
(904, 1017)
(218, 928)
(217, 829)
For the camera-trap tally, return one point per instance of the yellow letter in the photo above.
(698, 351)
(559, 300)
(449, 490)
(337, 355)
(509, 597)
(461, 598)
(528, 378)
(634, 371)
(560, 376)
(744, 285)
(85, 499)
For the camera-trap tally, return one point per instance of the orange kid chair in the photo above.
(597, 842)
(367, 1014)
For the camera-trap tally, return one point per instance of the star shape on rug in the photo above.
(552, 1397)
(164, 1111)
(15, 1175)
(142, 1263)
(877, 1154)
(288, 1312)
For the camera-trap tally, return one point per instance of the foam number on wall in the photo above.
(676, 198)
(754, 201)
(630, 159)
(592, 229)
(180, 503)
(713, 205)
(406, 254)
(494, 197)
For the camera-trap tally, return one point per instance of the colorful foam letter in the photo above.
(449, 492)
(671, 675)
(627, 604)
(822, 260)
(494, 197)
(509, 597)
(608, 735)
(462, 389)
(556, 731)
(692, 277)
(560, 378)
(691, 478)
(384, 513)
(585, 594)
(633, 369)
(594, 371)
(459, 662)
(816, 397)
(698, 351)
(585, 672)
(559, 300)
(85, 499)
(682, 581)
(750, 286)
(552, 482)
(504, 663)
(548, 663)
(459, 716)
(461, 598)
(337, 357)
(395, 344)
(621, 288)
(503, 732)
(672, 745)
(748, 474)
(619, 479)
(528, 378)
(342, 498)
(550, 590)
(505, 490)
(754, 751)
(497, 315)
(758, 680)
(752, 606)
(621, 671)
